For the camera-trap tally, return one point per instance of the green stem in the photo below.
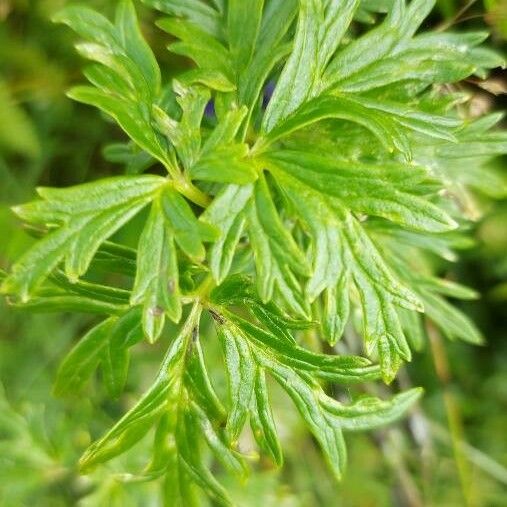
(191, 192)
(185, 187)
(453, 415)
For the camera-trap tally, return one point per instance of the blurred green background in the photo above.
(452, 451)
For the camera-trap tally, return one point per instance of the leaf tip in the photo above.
(17, 210)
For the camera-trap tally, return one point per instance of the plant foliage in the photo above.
(280, 214)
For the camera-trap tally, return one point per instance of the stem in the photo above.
(456, 17)
(390, 447)
(185, 187)
(201, 294)
(453, 414)
(477, 457)
(205, 288)
(191, 192)
(421, 434)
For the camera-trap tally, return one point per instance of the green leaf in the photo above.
(338, 228)
(270, 48)
(127, 116)
(369, 412)
(323, 107)
(229, 459)
(387, 121)
(240, 290)
(226, 164)
(387, 197)
(89, 24)
(59, 301)
(188, 232)
(135, 46)
(326, 418)
(126, 332)
(196, 11)
(138, 421)
(243, 24)
(275, 251)
(188, 435)
(90, 214)
(413, 329)
(336, 309)
(299, 74)
(83, 359)
(156, 285)
(371, 47)
(64, 203)
(86, 297)
(241, 378)
(195, 43)
(226, 214)
(462, 44)
(128, 78)
(36, 264)
(261, 420)
(197, 379)
(226, 130)
(342, 369)
(319, 31)
(306, 398)
(185, 135)
(335, 230)
(213, 79)
(382, 329)
(453, 322)
(429, 67)
(94, 232)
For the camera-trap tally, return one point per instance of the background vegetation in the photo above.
(451, 451)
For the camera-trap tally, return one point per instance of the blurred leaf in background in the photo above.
(496, 16)
(47, 139)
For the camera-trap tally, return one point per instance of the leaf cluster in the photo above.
(307, 164)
